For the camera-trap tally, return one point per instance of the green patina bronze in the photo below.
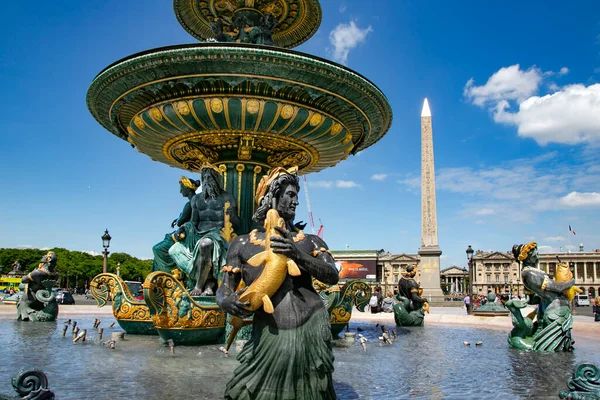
(584, 384)
(177, 315)
(30, 384)
(549, 327)
(340, 299)
(491, 308)
(131, 314)
(411, 307)
(38, 301)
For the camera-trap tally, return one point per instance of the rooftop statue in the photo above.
(38, 302)
(162, 259)
(289, 354)
(412, 307)
(200, 246)
(548, 328)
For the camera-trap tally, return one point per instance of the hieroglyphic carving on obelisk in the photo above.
(429, 251)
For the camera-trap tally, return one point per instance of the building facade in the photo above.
(454, 280)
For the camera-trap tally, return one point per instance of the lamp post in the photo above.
(67, 285)
(105, 243)
(470, 252)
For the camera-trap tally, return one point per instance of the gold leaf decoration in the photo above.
(216, 105)
(315, 119)
(287, 111)
(182, 107)
(139, 122)
(155, 112)
(252, 106)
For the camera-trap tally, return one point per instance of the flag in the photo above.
(320, 232)
(571, 230)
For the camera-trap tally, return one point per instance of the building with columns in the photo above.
(499, 272)
(454, 280)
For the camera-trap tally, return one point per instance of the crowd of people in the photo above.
(378, 303)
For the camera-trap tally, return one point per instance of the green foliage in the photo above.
(81, 267)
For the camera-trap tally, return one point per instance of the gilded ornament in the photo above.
(252, 106)
(130, 131)
(335, 129)
(216, 105)
(261, 242)
(347, 139)
(155, 112)
(315, 119)
(139, 122)
(287, 111)
(182, 107)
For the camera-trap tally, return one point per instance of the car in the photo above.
(65, 297)
(582, 300)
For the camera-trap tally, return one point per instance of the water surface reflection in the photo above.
(428, 363)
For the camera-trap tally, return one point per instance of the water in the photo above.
(428, 363)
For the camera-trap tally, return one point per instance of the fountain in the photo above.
(239, 102)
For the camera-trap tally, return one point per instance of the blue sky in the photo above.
(513, 89)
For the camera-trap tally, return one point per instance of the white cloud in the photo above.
(567, 115)
(321, 184)
(92, 252)
(342, 8)
(346, 37)
(24, 246)
(554, 239)
(576, 199)
(346, 184)
(510, 83)
(338, 184)
(546, 249)
(520, 189)
(378, 177)
(484, 211)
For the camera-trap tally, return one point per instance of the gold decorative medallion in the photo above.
(139, 122)
(287, 111)
(182, 107)
(155, 112)
(216, 105)
(130, 131)
(315, 119)
(335, 129)
(252, 106)
(347, 139)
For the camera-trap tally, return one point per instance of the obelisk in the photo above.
(430, 253)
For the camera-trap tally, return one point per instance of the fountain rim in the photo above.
(137, 60)
(275, 49)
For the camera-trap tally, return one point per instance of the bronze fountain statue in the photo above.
(291, 333)
(38, 302)
(410, 311)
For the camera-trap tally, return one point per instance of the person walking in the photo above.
(596, 309)
(468, 303)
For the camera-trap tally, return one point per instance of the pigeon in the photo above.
(466, 343)
(478, 343)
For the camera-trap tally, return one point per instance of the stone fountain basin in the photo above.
(203, 98)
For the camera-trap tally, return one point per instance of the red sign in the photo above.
(356, 269)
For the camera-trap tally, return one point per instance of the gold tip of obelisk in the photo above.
(426, 111)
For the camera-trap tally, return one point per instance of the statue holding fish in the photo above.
(549, 327)
(268, 274)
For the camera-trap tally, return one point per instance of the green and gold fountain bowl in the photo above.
(228, 103)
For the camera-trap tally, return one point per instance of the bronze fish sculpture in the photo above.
(276, 268)
(564, 274)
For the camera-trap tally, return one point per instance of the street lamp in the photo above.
(105, 243)
(470, 252)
